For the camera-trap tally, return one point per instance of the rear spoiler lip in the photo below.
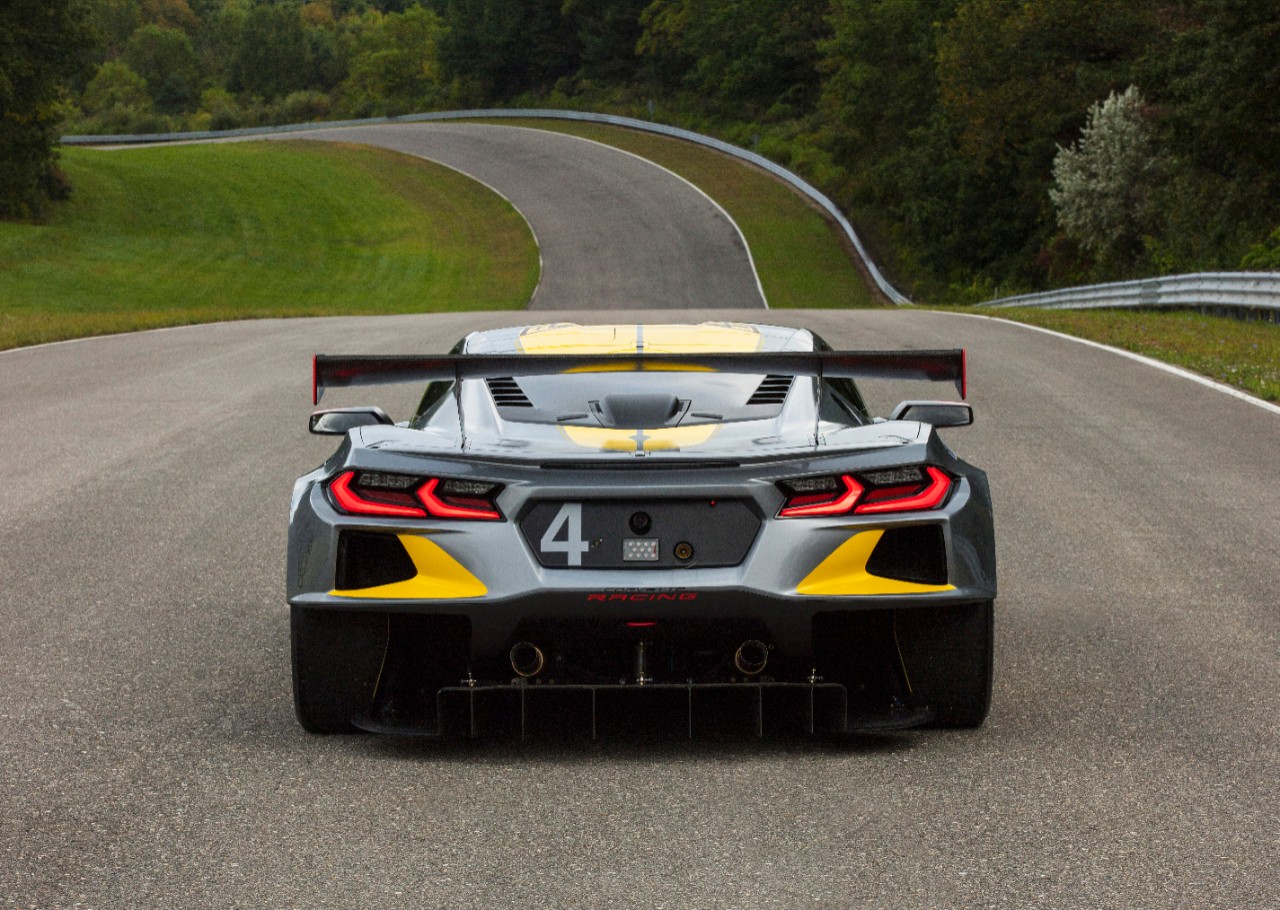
(344, 371)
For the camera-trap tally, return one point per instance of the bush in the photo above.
(1265, 256)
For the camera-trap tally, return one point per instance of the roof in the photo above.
(633, 338)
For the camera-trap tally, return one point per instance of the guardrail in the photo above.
(1253, 295)
(758, 160)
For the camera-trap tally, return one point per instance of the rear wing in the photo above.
(331, 371)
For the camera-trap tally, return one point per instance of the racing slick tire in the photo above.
(337, 656)
(948, 654)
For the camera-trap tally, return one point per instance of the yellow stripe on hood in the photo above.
(661, 439)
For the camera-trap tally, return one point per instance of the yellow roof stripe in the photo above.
(709, 337)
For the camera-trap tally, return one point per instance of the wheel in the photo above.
(948, 656)
(337, 656)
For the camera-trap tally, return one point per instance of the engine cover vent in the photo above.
(507, 393)
(772, 390)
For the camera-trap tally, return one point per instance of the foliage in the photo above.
(745, 57)
(394, 64)
(1264, 256)
(1101, 183)
(496, 49)
(166, 61)
(42, 48)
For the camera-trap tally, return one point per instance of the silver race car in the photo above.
(616, 528)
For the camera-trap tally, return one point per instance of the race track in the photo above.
(615, 231)
(149, 756)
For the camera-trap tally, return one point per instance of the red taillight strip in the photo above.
(441, 509)
(929, 498)
(350, 501)
(837, 506)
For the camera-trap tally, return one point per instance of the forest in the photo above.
(982, 147)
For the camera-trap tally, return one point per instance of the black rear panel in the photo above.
(641, 534)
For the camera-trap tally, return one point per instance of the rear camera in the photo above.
(684, 551)
(641, 522)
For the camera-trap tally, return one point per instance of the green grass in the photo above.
(185, 234)
(1242, 354)
(802, 259)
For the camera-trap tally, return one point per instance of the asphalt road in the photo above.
(615, 231)
(149, 756)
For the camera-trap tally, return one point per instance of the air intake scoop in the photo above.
(639, 412)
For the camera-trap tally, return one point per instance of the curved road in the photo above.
(615, 231)
(149, 756)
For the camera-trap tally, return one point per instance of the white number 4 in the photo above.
(573, 546)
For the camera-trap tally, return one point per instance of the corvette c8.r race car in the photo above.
(599, 528)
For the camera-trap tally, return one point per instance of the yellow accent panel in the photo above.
(709, 337)
(844, 572)
(440, 576)
(579, 339)
(656, 440)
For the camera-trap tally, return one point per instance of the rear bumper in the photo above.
(785, 622)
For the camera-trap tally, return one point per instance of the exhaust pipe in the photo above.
(751, 657)
(643, 677)
(526, 659)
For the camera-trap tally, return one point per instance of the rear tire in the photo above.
(337, 656)
(948, 654)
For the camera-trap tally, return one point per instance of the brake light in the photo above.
(909, 489)
(458, 499)
(408, 496)
(925, 493)
(821, 496)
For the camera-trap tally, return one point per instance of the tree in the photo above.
(744, 56)
(165, 58)
(496, 49)
(272, 58)
(1014, 81)
(115, 98)
(880, 83)
(396, 66)
(607, 34)
(43, 46)
(1216, 90)
(1102, 182)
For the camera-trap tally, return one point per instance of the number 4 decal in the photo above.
(569, 518)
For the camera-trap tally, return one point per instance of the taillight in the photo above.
(459, 499)
(812, 496)
(908, 489)
(388, 495)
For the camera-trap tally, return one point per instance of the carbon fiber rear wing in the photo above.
(331, 371)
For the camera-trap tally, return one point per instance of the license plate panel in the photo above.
(608, 535)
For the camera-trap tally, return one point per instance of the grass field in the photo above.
(801, 258)
(1242, 354)
(199, 233)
